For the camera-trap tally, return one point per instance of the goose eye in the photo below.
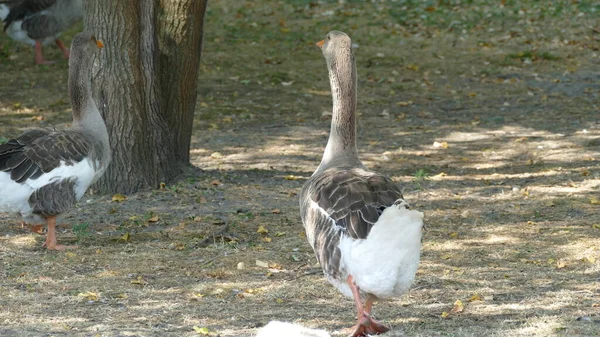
(328, 37)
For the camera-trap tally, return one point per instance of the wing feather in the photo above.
(40, 151)
(343, 202)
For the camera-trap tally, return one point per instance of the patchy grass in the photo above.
(510, 200)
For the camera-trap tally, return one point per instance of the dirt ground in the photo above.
(486, 112)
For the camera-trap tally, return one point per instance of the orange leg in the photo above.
(50, 243)
(365, 325)
(62, 47)
(39, 58)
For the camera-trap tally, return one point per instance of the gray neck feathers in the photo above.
(86, 117)
(341, 147)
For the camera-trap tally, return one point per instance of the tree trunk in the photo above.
(145, 86)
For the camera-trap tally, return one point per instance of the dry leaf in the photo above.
(458, 307)
(475, 297)
(267, 239)
(442, 145)
(216, 155)
(292, 177)
(262, 230)
(560, 264)
(589, 259)
(125, 237)
(201, 331)
(594, 201)
(596, 226)
(262, 264)
(118, 198)
(412, 67)
(90, 296)
(154, 218)
(279, 300)
(276, 211)
(454, 235)
(139, 280)
(280, 234)
(445, 314)
(215, 182)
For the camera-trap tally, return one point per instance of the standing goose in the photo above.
(38, 22)
(43, 173)
(363, 234)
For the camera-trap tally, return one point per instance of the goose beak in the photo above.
(320, 43)
(99, 44)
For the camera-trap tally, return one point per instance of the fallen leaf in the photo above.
(596, 226)
(445, 314)
(262, 230)
(276, 211)
(292, 177)
(125, 237)
(594, 201)
(412, 67)
(216, 155)
(458, 307)
(215, 182)
(118, 198)
(267, 239)
(139, 280)
(154, 218)
(90, 296)
(442, 145)
(589, 259)
(262, 264)
(560, 264)
(201, 331)
(279, 300)
(475, 297)
(454, 235)
(280, 234)
(275, 266)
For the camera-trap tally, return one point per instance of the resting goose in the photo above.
(38, 22)
(363, 234)
(43, 173)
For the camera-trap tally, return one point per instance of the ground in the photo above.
(485, 112)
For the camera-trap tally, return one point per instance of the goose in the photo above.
(364, 236)
(39, 22)
(43, 173)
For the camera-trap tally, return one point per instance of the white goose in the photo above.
(39, 22)
(43, 173)
(365, 237)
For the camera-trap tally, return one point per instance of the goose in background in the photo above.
(39, 22)
(43, 173)
(364, 235)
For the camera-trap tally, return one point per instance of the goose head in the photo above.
(334, 45)
(83, 47)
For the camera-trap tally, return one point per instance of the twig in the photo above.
(204, 242)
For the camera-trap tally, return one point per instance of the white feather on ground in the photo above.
(285, 329)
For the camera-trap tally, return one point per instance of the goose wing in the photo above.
(40, 151)
(343, 202)
(20, 9)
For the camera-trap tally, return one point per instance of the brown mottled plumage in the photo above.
(356, 221)
(43, 173)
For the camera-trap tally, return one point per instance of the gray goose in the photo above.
(38, 22)
(43, 173)
(363, 234)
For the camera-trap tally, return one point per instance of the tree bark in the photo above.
(145, 86)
